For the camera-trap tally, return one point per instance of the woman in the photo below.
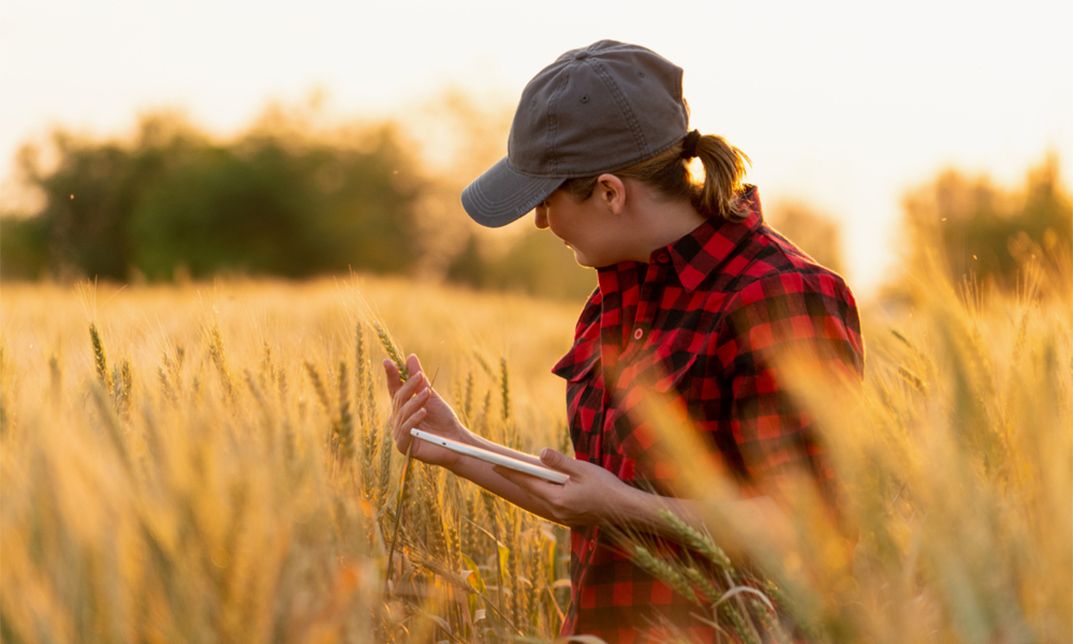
(694, 291)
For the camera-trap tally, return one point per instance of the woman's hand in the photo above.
(593, 495)
(415, 403)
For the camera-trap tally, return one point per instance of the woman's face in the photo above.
(585, 227)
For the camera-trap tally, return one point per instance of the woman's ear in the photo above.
(611, 191)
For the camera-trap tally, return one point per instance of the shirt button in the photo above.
(662, 257)
(638, 334)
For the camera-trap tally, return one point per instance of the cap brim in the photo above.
(502, 195)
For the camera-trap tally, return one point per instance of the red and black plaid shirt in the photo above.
(699, 316)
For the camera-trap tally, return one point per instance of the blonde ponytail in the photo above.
(668, 173)
(724, 174)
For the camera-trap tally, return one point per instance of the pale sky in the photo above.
(841, 104)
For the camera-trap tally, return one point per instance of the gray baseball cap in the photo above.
(595, 109)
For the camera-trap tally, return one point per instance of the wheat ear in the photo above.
(396, 357)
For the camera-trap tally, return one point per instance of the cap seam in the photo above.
(624, 106)
(553, 122)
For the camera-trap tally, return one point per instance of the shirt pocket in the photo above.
(665, 370)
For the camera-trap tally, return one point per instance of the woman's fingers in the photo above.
(413, 364)
(408, 399)
(402, 430)
(394, 381)
(412, 421)
(401, 391)
(407, 390)
(394, 378)
(413, 404)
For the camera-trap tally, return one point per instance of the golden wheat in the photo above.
(208, 485)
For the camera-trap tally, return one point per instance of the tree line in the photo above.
(286, 200)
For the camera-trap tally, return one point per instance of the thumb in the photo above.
(557, 460)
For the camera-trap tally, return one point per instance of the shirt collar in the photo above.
(708, 246)
(616, 279)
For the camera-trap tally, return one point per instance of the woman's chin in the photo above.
(580, 258)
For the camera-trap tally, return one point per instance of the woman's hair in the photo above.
(668, 173)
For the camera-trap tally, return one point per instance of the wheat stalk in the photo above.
(401, 499)
(404, 373)
(504, 388)
(55, 378)
(693, 538)
(392, 351)
(216, 352)
(165, 384)
(344, 428)
(99, 358)
(663, 571)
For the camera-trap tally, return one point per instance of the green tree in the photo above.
(468, 266)
(23, 241)
(279, 199)
(92, 189)
(985, 232)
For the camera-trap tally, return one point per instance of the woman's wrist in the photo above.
(462, 435)
(632, 506)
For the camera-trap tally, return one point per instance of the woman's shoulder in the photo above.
(778, 267)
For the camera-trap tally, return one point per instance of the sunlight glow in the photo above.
(696, 171)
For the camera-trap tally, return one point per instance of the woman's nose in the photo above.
(541, 220)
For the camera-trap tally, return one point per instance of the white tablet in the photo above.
(492, 457)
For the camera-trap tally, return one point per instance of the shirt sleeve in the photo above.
(811, 314)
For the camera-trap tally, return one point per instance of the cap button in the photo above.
(581, 55)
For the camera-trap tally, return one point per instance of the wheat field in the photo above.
(209, 462)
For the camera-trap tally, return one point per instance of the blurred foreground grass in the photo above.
(219, 470)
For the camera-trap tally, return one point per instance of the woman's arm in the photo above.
(593, 495)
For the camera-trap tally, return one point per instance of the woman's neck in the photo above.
(655, 223)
